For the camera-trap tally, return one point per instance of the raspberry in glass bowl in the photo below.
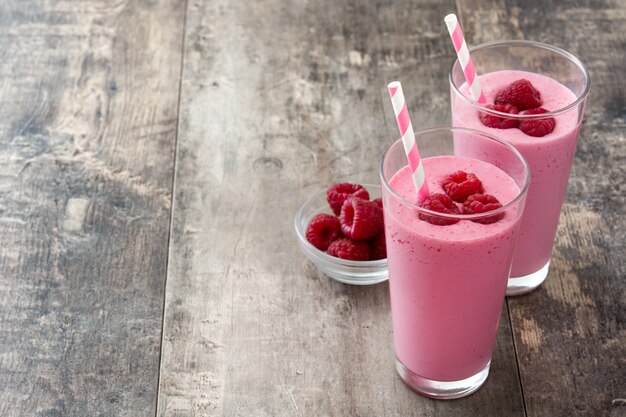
(319, 238)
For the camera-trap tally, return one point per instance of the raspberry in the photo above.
(520, 94)
(379, 203)
(360, 219)
(539, 127)
(482, 203)
(378, 250)
(336, 194)
(440, 203)
(349, 249)
(322, 230)
(497, 122)
(461, 185)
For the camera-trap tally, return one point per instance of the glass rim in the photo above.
(398, 142)
(483, 108)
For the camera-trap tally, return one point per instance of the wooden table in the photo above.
(153, 154)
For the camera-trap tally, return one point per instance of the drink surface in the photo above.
(549, 158)
(447, 283)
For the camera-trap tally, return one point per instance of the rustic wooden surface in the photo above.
(88, 104)
(111, 305)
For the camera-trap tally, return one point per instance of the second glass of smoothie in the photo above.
(448, 272)
(563, 85)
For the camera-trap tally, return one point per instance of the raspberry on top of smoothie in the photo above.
(461, 187)
(440, 203)
(497, 122)
(537, 128)
(519, 95)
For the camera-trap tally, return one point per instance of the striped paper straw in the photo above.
(464, 57)
(408, 139)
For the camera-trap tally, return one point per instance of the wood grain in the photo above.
(570, 334)
(88, 112)
(278, 100)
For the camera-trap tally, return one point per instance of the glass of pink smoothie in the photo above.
(447, 282)
(563, 83)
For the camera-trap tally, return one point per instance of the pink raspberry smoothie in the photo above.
(549, 158)
(447, 283)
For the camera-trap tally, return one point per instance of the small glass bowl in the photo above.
(342, 270)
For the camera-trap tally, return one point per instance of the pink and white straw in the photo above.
(464, 57)
(408, 140)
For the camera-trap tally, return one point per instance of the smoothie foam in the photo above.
(549, 158)
(447, 283)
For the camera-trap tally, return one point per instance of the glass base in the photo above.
(443, 390)
(525, 284)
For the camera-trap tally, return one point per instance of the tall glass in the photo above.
(448, 272)
(564, 85)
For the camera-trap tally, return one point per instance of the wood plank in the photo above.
(88, 108)
(280, 99)
(570, 334)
